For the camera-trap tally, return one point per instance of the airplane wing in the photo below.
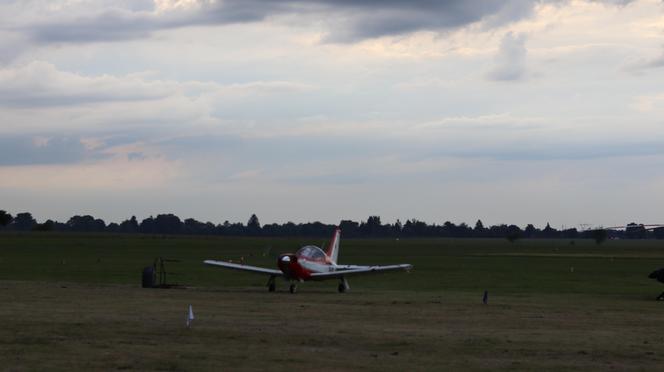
(348, 270)
(253, 269)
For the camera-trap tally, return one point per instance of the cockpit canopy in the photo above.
(311, 252)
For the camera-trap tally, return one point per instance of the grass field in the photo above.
(74, 302)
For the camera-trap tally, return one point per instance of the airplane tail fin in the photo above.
(332, 250)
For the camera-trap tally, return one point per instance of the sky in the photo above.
(510, 111)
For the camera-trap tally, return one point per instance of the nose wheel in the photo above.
(293, 288)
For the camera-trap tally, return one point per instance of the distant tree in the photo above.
(658, 233)
(463, 230)
(317, 229)
(599, 235)
(349, 228)
(572, 233)
(194, 227)
(147, 226)
(635, 231)
(222, 228)
(129, 226)
(549, 232)
(23, 222)
(397, 227)
(49, 225)
(271, 229)
(498, 231)
(372, 227)
(86, 223)
(210, 228)
(513, 233)
(447, 230)
(233, 229)
(530, 231)
(479, 230)
(289, 229)
(414, 228)
(167, 224)
(253, 226)
(479, 226)
(171, 224)
(5, 218)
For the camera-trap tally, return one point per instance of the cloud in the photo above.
(510, 61)
(347, 20)
(50, 116)
(253, 112)
(11, 46)
(42, 84)
(369, 19)
(25, 150)
(121, 24)
(109, 174)
(655, 62)
(648, 103)
(40, 99)
(646, 63)
(615, 2)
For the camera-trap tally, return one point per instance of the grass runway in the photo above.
(73, 302)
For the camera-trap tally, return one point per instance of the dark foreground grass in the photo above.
(72, 302)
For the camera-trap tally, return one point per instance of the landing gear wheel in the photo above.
(343, 285)
(271, 286)
(293, 288)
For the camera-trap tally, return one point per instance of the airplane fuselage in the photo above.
(306, 261)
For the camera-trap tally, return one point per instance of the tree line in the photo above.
(371, 228)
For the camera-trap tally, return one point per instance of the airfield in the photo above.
(74, 302)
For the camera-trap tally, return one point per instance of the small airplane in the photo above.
(311, 263)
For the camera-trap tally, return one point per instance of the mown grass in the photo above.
(529, 266)
(72, 302)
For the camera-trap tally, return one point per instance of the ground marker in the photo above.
(190, 317)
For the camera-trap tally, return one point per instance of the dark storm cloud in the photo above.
(348, 20)
(370, 19)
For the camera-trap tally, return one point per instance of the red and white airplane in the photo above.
(311, 263)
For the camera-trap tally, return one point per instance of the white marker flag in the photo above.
(190, 317)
